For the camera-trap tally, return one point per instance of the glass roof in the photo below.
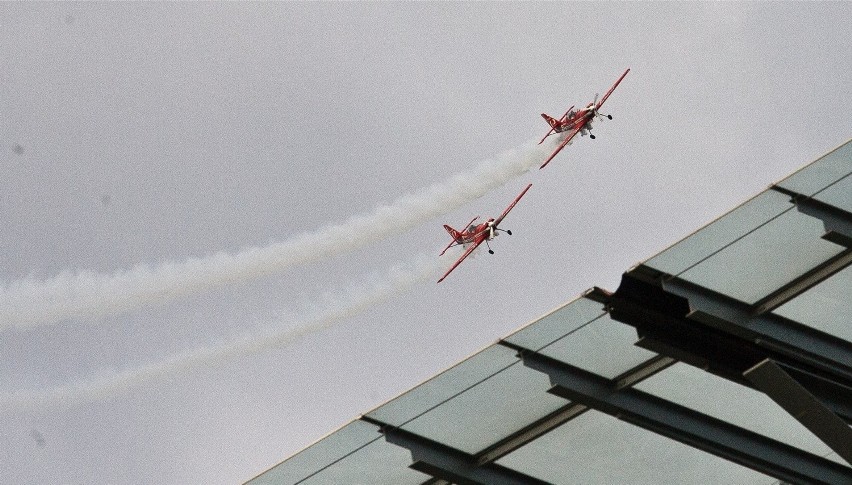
(491, 409)
(595, 448)
(765, 259)
(494, 401)
(356, 453)
(743, 406)
(603, 346)
(826, 306)
(720, 233)
(822, 174)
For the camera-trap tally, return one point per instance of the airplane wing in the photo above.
(612, 89)
(511, 206)
(469, 250)
(566, 141)
(452, 243)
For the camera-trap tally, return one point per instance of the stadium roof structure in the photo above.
(725, 358)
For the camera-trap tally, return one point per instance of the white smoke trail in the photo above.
(111, 383)
(30, 302)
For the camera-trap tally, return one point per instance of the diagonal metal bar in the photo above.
(770, 378)
(687, 426)
(449, 464)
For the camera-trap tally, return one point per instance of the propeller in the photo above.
(595, 106)
(595, 109)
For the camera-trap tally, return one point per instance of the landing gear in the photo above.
(609, 117)
(490, 251)
(509, 232)
(591, 136)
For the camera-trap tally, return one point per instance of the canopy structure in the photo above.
(726, 358)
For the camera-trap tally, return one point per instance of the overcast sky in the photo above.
(171, 138)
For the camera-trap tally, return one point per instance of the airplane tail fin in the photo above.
(550, 120)
(455, 235)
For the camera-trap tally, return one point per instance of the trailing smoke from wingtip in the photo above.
(333, 309)
(85, 294)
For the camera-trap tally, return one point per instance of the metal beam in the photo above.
(835, 397)
(436, 481)
(827, 351)
(687, 426)
(803, 283)
(450, 464)
(802, 405)
(560, 416)
(529, 433)
(643, 371)
(722, 335)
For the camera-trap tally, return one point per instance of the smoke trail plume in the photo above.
(351, 302)
(85, 294)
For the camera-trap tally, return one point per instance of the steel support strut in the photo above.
(770, 378)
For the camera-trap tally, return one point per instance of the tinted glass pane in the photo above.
(822, 173)
(377, 463)
(489, 411)
(766, 259)
(595, 448)
(445, 386)
(838, 194)
(827, 306)
(557, 324)
(321, 454)
(728, 401)
(604, 347)
(721, 232)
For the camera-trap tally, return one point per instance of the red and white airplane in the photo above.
(574, 122)
(475, 234)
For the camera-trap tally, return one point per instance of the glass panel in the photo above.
(321, 454)
(604, 347)
(444, 386)
(838, 194)
(595, 448)
(821, 173)
(827, 306)
(490, 411)
(731, 402)
(766, 259)
(720, 233)
(378, 462)
(556, 324)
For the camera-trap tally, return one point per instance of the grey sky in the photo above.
(152, 132)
